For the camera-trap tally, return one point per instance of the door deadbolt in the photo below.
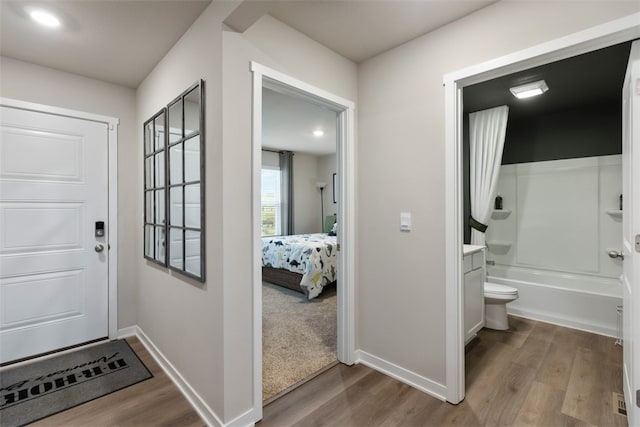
(99, 229)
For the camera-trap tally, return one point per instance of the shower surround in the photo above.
(551, 240)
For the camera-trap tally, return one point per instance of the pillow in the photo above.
(329, 220)
(334, 229)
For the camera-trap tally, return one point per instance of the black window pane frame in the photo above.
(151, 226)
(182, 184)
(170, 138)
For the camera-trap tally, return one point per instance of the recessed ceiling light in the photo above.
(530, 89)
(45, 18)
(318, 133)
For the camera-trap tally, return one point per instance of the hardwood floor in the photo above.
(537, 374)
(534, 375)
(154, 402)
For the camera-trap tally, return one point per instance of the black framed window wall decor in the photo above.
(176, 238)
(154, 189)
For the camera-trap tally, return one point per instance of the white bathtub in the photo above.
(574, 300)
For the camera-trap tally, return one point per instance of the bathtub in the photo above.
(577, 301)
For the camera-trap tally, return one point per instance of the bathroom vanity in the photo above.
(474, 277)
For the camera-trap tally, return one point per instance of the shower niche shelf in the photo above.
(616, 213)
(499, 247)
(500, 213)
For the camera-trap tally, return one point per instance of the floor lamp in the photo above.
(321, 186)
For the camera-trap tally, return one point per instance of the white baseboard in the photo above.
(243, 420)
(196, 401)
(417, 381)
(131, 331)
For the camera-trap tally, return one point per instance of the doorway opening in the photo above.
(560, 174)
(326, 193)
(299, 241)
(590, 40)
(553, 219)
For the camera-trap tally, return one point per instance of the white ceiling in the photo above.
(114, 41)
(361, 29)
(121, 41)
(288, 124)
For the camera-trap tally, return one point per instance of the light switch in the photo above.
(405, 221)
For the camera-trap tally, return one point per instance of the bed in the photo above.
(303, 262)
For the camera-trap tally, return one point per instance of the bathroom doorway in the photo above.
(620, 31)
(557, 217)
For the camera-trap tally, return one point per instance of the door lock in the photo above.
(637, 242)
(99, 229)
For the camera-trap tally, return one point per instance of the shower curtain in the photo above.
(487, 130)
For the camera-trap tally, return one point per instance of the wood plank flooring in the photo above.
(154, 402)
(534, 375)
(537, 374)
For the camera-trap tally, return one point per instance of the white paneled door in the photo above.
(631, 235)
(53, 267)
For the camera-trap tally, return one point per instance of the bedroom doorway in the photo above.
(303, 196)
(299, 268)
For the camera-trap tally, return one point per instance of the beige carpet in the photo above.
(298, 336)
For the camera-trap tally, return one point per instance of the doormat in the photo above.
(39, 389)
(619, 407)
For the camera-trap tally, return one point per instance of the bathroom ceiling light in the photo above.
(45, 18)
(318, 133)
(530, 89)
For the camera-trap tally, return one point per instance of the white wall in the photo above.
(271, 159)
(182, 317)
(401, 313)
(327, 166)
(306, 197)
(28, 82)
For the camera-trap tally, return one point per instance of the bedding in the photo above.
(311, 255)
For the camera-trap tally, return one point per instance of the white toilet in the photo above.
(496, 298)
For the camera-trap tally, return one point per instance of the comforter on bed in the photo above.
(312, 255)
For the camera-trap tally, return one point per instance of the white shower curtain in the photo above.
(487, 130)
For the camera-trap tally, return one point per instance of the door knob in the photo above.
(616, 254)
(99, 247)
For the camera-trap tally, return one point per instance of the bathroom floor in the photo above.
(545, 375)
(537, 374)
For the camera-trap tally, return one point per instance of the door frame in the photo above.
(267, 77)
(112, 171)
(598, 37)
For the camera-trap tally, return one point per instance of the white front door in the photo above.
(53, 269)
(631, 234)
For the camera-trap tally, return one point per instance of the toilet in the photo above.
(496, 298)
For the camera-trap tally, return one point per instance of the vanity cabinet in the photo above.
(474, 277)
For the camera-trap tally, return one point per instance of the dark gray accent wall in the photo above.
(585, 132)
(466, 178)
